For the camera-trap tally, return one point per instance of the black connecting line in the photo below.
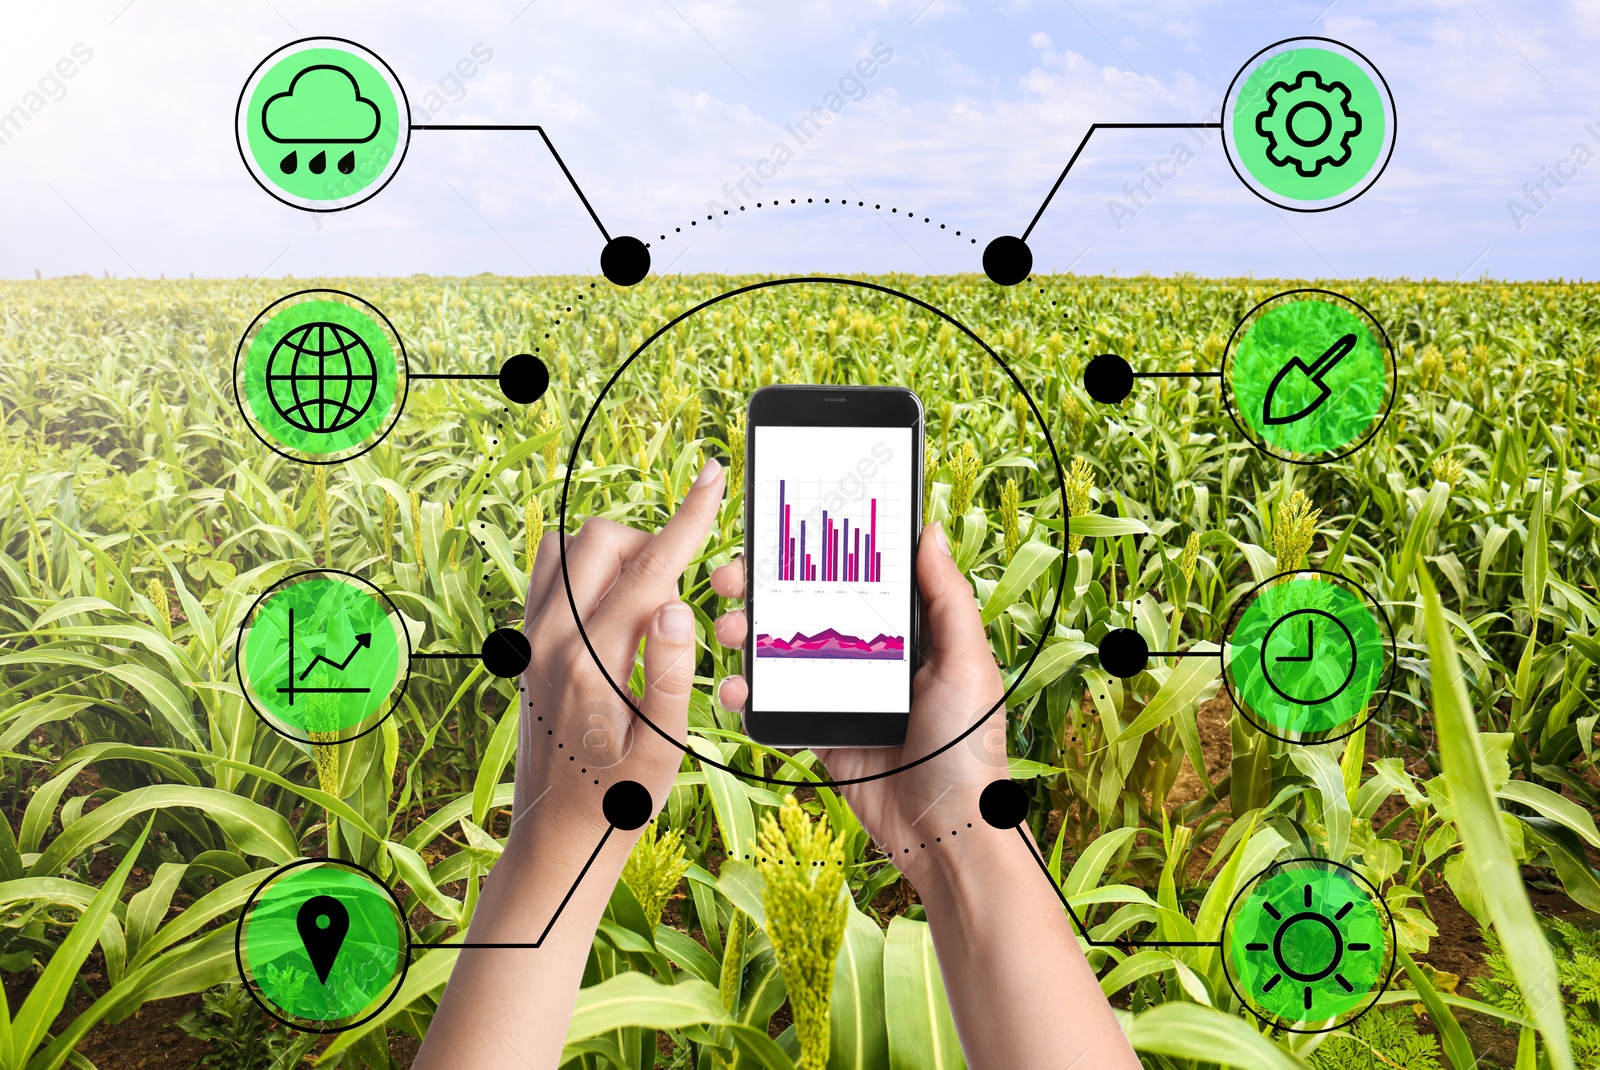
(1148, 375)
(1123, 943)
(559, 163)
(450, 657)
(552, 922)
(453, 375)
(1185, 654)
(1105, 126)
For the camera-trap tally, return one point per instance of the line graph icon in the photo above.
(323, 656)
(295, 684)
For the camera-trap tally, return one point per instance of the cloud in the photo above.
(324, 105)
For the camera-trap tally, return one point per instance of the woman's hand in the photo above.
(957, 685)
(508, 1005)
(577, 736)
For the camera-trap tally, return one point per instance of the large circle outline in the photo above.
(1372, 180)
(399, 405)
(1233, 906)
(1385, 687)
(244, 914)
(594, 409)
(405, 125)
(1267, 448)
(396, 693)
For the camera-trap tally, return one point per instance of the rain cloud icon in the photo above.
(322, 105)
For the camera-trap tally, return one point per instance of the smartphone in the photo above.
(833, 509)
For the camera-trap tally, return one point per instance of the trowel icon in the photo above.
(1301, 374)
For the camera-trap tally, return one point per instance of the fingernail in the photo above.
(708, 473)
(940, 538)
(677, 622)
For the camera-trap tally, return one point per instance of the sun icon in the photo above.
(1309, 942)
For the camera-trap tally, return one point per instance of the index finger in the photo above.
(653, 573)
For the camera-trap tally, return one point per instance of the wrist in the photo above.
(985, 867)
(538, 875)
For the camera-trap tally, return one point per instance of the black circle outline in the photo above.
(244, 914)
(1327, 124)
(405, 124)
(1267, 448)
(1351, 675)
(1227, 959)
(1294, 919)
(396, 693)
(1383, 691)
(1394, 125)
(594, 409)
(399, 407)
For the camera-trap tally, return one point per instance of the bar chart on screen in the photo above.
(819, 546)
(831, 519)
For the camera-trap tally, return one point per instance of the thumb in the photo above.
(669, 657)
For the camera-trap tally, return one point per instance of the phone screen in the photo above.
(831, 567)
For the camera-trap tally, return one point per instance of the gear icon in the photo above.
(1309, 124)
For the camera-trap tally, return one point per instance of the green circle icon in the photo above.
(322, 124)
(320, 376)
(322, 945)
(1308, 941)
(1305, 657)
(1308, 124)
(322, 656)
(1309, 376)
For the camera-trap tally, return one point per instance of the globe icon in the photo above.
(321, 377)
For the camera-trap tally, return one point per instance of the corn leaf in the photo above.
(1487, 854)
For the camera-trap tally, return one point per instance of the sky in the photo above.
(661, 107)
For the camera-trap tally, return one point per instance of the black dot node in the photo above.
(627, 805)
(1124, 653)
(524, 379)
(624, 261)
(1007, 260)
(506, 652)
(1108, 378)
(1003, 804)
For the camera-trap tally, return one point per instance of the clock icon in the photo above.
(1308, 656)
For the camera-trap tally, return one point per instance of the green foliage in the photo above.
(1577, 955)
(1382, 1039)
(653, 869)
(139, 519)
(241, 1037)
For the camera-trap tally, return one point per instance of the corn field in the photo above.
(139, 519)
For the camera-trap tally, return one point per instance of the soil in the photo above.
(150, 1039)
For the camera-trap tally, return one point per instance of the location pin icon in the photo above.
(323, 922)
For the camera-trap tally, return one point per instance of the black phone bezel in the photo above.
(796, 405)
